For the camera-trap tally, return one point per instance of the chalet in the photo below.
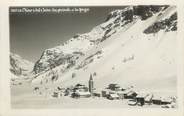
(107, 92)
(60, 89)
(125, 92)
(172, 105)
(130, 95)
(123, 88)
(149, 98)
(165, 101)
(140, 98)
(67, 92)
(80, 91)
(97, 93)
(121, 94)
(114, 87)
(80, 87)
(156, 100)
(56, 94)
(83, 94)
(112, 92)
(113, 96)
(132, 102)
(104, 93)
(74, 95)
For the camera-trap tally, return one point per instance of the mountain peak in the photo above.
(70, 53)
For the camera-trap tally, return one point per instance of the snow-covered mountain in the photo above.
(135, 45)
(19, 67)
(69, 52)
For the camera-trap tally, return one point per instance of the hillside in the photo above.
(19, 67)
(129, 48)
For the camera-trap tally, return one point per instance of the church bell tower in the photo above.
(91, 84)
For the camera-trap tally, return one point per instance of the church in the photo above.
(91, 84)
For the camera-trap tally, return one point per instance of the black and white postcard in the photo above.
(100, 57)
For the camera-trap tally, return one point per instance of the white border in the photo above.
(5, 108)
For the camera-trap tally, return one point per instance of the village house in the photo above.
(140, 98)
(114, 87)
(156, 100)
(112, 92)
(82, 91)
(121, 94)
(104, 93)
(148, 99)
(166, 100)
(60, 89)
(130, 95)
(80, 87)
(97, 93)
(83, 94)
(113, 96)
(162, 100)
(57, 94)
(132, 102)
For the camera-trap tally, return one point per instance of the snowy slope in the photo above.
(19, 67)
(69, 52)
(132, 53)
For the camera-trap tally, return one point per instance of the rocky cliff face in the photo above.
(168, 24)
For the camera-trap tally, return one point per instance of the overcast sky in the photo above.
(32, 33)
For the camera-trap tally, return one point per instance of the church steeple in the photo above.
(91, 82)
(91, 77)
